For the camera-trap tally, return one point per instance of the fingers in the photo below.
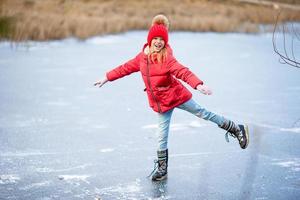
(98, 83)
(101, 82)
(206, 91)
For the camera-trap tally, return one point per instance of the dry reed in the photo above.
(56, 19)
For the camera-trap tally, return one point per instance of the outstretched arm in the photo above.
(127, 68)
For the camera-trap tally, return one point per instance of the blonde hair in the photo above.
(159, 57)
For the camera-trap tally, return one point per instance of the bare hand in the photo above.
(101, 82)
(204, 89)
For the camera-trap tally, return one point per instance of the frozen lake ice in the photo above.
(61, 138)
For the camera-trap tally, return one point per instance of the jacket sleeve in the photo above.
(183, 73)
(125, 69)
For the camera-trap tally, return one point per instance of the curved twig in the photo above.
(285, 59)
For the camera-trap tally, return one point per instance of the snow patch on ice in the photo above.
(293, 164)
(25, 154)
(99, 126)
(74, 178)
(48, 170)
(123, 191)
(294, 130)
(30, 122)
(58, 103)
(110, 39)
(132, 190)
(196, 124)
(202, 153)
(150, 126)
(44, 169)
(106, 150)
(266, 126)
(261, 198)
(36, 185)
(9, 178)
(178, 126)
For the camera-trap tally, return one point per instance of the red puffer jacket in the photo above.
(163, 89)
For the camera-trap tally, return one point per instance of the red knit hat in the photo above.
(159, 28)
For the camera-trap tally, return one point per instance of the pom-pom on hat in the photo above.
(159, 28)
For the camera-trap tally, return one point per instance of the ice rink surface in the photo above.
(62, 138)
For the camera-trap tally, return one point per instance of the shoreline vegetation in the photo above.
(22, 20)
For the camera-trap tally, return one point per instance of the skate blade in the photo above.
(162, 178)
(247, 135)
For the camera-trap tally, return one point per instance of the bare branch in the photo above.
(285, 58)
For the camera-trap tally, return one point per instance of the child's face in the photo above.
(157, 44)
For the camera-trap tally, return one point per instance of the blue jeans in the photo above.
(190, 106)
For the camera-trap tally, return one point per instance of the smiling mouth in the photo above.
(158, 46)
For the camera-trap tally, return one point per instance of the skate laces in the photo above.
(229, 128)
(239, 136)
(226, 136)
(154, 167)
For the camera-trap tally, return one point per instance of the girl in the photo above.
(160, 71)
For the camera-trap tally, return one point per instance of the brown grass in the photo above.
(56, 19)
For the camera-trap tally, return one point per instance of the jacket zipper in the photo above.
(151, 91)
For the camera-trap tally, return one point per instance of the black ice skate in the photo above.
(237, 131)
(161, 166)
